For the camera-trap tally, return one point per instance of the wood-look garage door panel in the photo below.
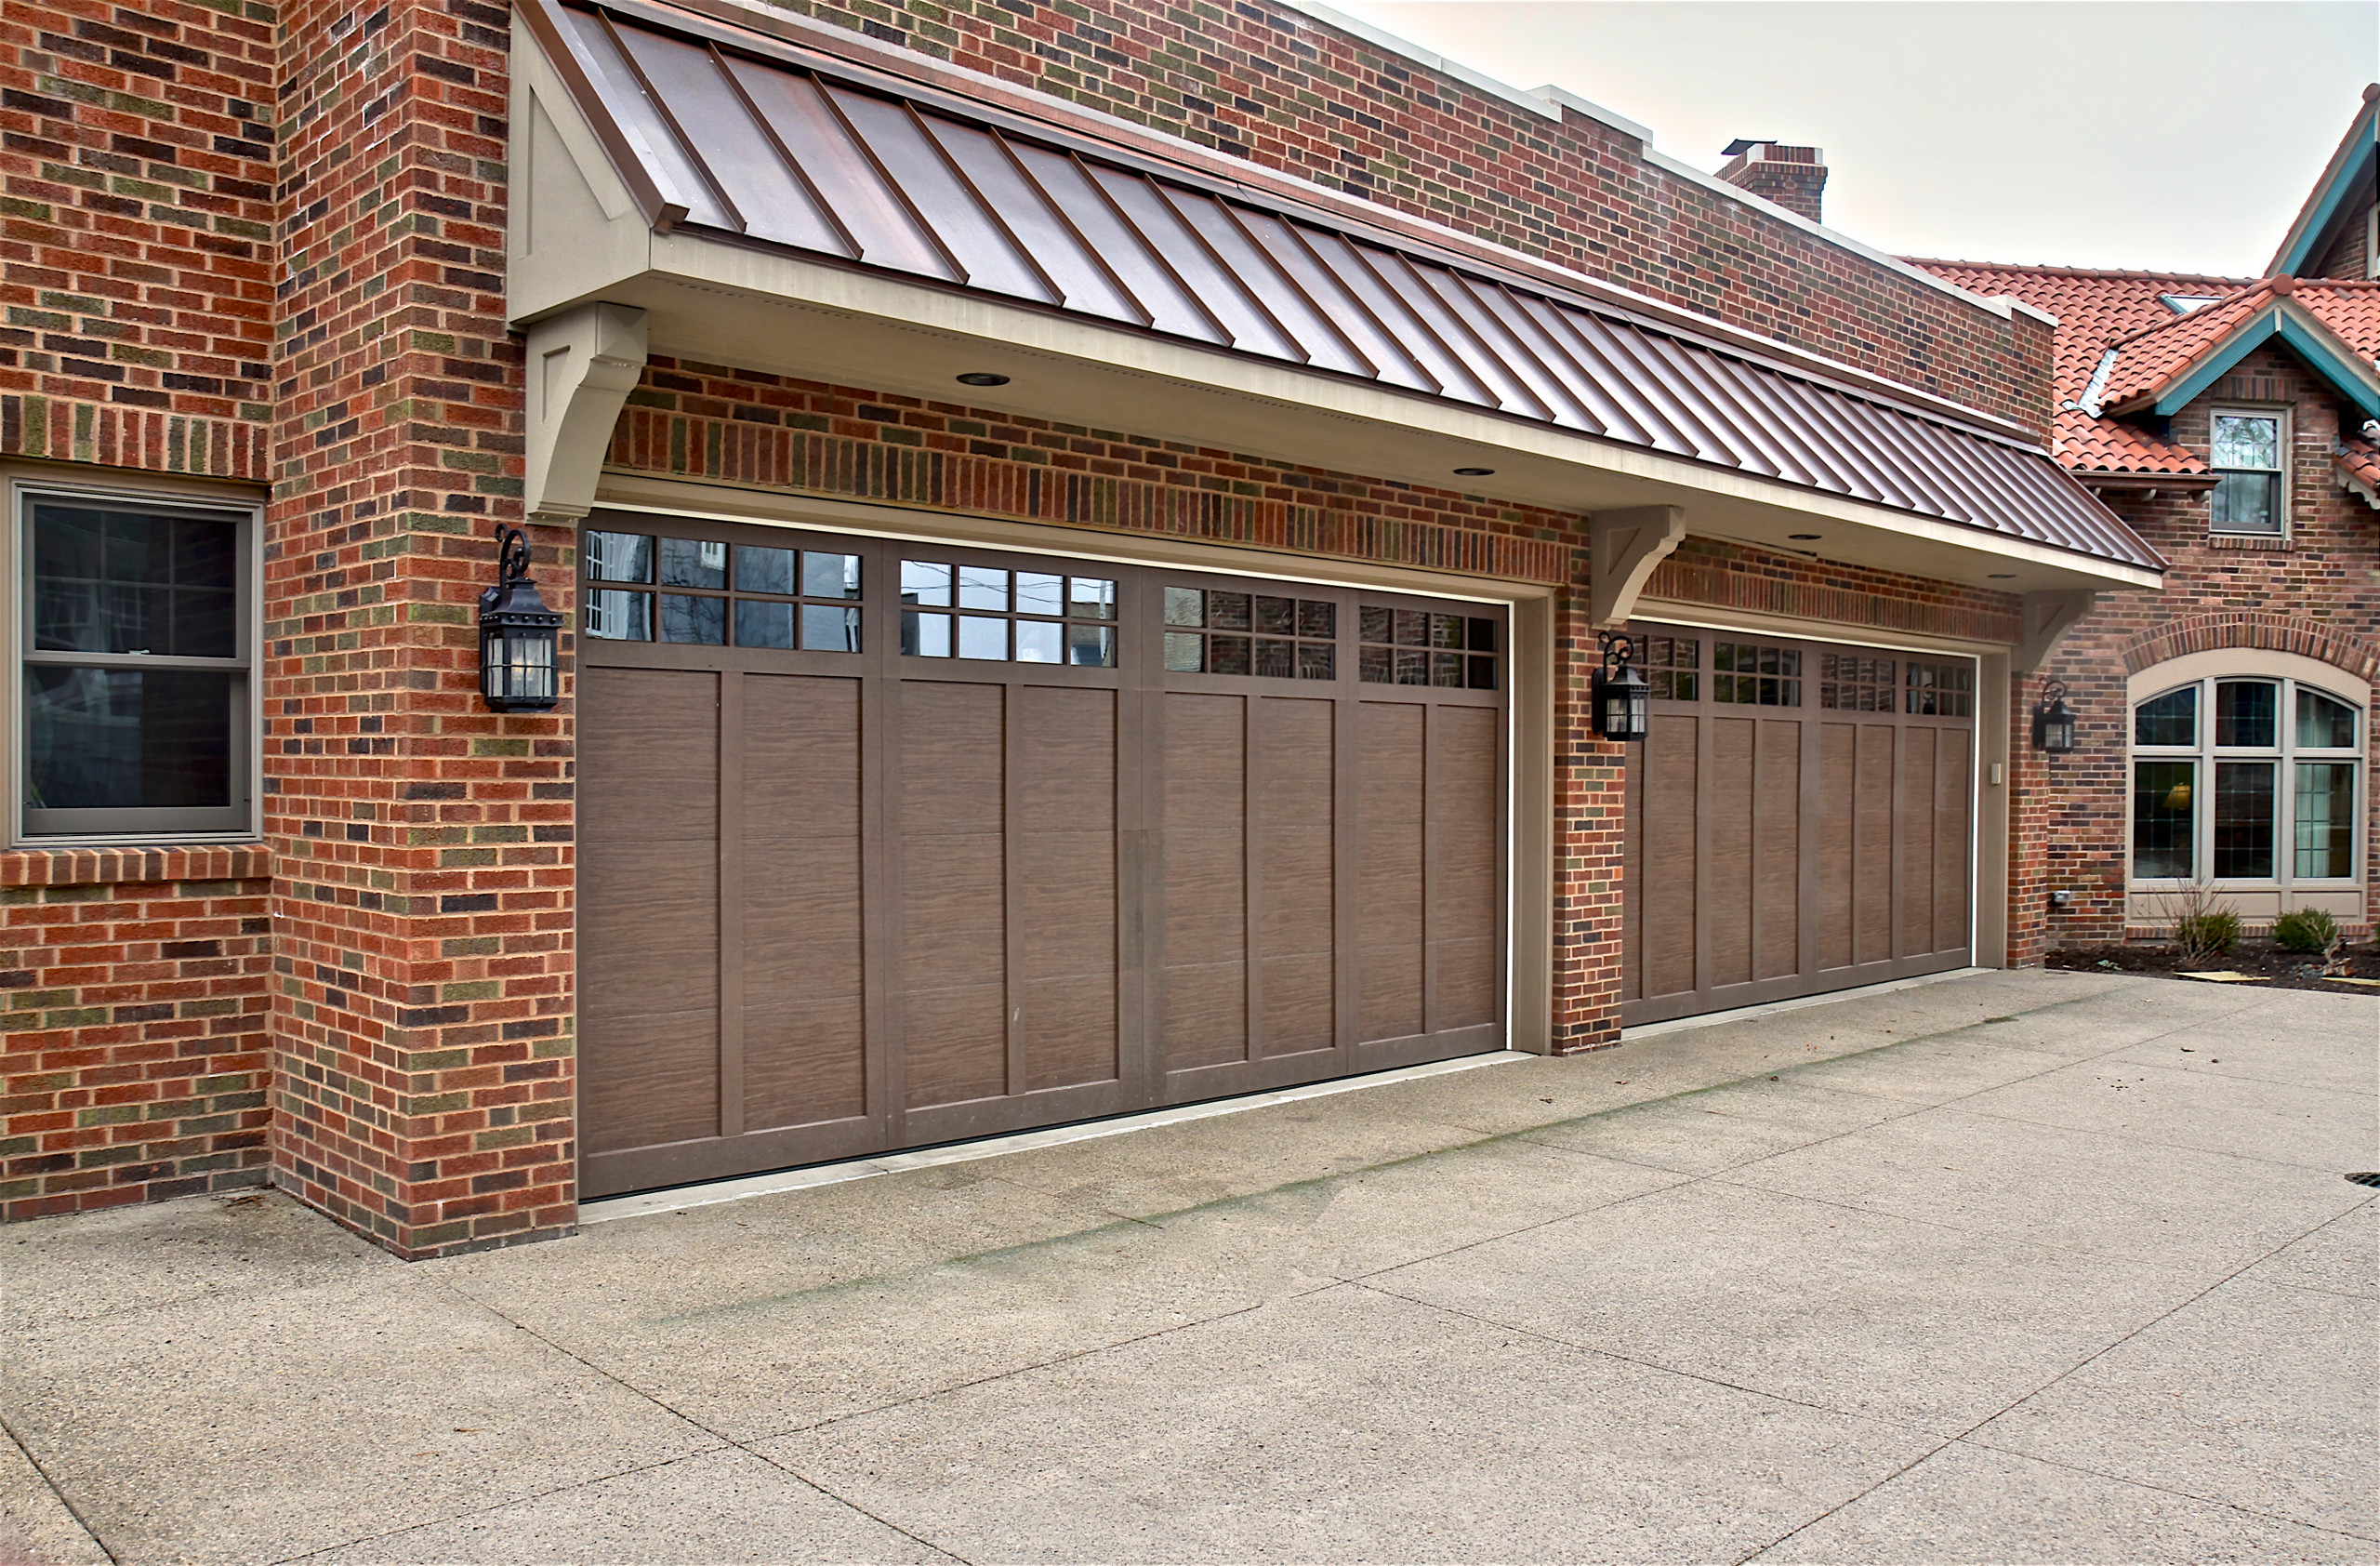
(654, 907)
(955, 1047)
(863, 895)
(1672, 755)
(1799, 816)
(805, 1060)
(1070, 1031)
(1465, 969)
(1871, 853)
(1917, 823)
(1954, 809)
(1392, 793)
(1777, 838)
(1838, 816)
(1726, 805)
(649, 743)
(651, 1078)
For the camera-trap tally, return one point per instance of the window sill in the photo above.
(108, 864)
(2261, 543)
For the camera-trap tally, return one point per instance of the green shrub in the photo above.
(2308, 929)
(2203, 938)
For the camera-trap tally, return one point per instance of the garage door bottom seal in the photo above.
(679, 1198)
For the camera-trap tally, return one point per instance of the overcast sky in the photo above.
(2107, 133)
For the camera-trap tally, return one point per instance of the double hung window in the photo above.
(2245, 780)
(134, 636)
(2249, 485)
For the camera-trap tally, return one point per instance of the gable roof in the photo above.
(2333, 326)
(2353, 167)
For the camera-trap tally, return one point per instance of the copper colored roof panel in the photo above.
(749, 138)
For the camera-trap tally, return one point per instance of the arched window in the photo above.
(2246, 779)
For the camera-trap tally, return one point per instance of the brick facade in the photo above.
(267, 245)
(2317, 593)
(134, 989)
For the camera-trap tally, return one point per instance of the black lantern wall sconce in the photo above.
(1623, 698)
(2052, 721)
(518, 634)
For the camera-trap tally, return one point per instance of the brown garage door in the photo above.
(883, 844)
(1799, 820)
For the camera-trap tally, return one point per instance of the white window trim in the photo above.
(2202, 670)
(2279, 411)
(16, 608)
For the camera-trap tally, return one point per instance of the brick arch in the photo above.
(2273, 634)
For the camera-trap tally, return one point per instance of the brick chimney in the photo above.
(1794, 177)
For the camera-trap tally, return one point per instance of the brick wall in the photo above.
(422, 909)
(1272, 87)
(2318, 595)
(133, 1000)
(135, 233)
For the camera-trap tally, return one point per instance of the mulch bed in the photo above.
(2284, 970)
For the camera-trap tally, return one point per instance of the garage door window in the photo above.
(1412, 647)
(2244, 780)
(714, 594)
(994, 614)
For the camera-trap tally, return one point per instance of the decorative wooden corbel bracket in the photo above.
(1626, 545)
(2048, 616)
(583, 364)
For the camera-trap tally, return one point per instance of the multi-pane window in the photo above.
(993, 614)
(1940, 690)
(1416, 647)
(1755, 674)
(1273, 635)
(2244, 779)
(642, 587)
(1851, 684)
(1673, 667)
(2246, 456)
(135, 656)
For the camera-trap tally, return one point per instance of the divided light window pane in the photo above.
(2162, 819)
(2171, 719)
(2246, 714)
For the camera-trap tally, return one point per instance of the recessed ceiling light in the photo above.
(982, 378)
(1473, 472)
(2004, 576)
(1805, 537)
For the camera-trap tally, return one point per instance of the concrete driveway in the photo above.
(2013, 1266)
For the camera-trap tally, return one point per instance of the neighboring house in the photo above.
(2227, 732)
(1081, 534)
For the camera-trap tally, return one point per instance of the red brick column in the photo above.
(1590, 827)
(422, 902)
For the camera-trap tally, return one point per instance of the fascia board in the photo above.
(687, 265)
(1171, 158)
(2356, 152)
(2296, 326)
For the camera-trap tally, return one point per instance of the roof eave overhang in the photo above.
(2099, 479)
(581, 235)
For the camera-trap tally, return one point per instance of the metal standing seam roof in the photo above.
(748, 143)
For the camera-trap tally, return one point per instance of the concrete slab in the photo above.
(759, 1350)
(723, 1508)
(1642, 1304)
(2341, 1258)
(2200, 1215)
(134, 1258)
(1344, 1427)
(1967, 1505)
(36, 1529)
(2261, 1396)
(2161, 1107)
(251, 1426)
(1882, 1317)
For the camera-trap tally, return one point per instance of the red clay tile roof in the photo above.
(2097, 310)
(2358, 462)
